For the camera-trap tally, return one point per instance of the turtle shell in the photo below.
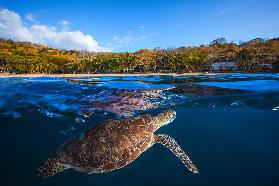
(110, 145)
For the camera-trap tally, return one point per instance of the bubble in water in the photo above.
(211, 105)
(236, 103)
(275, 108)
(79, 120)
(87, 114)
(50, 114)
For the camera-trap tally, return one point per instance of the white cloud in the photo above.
(127, 40)
(30, 17)
(142, 27)
(65, 25)
(119, 42)
(12, 27)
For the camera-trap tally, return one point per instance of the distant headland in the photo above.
(257, 55)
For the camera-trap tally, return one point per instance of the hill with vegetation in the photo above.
(25, 57)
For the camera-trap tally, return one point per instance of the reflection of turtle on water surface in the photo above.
(121, 102)
(113, 145)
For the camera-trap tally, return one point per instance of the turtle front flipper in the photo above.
(51, 167)
(171, 144)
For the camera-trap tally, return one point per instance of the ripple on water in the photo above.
(237, 103)
(12, 114)
(134, 85)
(253, 85)
(142, 78)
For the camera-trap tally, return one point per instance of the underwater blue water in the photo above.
(227, 124)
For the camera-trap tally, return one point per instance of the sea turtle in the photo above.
(112, 145)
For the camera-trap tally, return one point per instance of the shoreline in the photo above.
(4, 75)
(98, 75)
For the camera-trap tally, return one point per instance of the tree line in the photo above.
(25, 57)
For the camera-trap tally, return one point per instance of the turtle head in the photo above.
(165, 117)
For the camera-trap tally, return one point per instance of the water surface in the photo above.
(227, 123)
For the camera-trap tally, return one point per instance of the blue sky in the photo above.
(130, 25)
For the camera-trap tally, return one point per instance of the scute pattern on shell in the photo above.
(109, 146)
(50, 167)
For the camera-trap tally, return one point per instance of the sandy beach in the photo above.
(3, 75)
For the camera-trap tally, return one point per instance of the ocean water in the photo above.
(227, 123)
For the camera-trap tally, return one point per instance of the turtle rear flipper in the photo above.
(51, 167)
(171, 144)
